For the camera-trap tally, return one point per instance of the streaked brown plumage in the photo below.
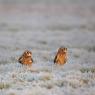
(26, 58)
(61, 56)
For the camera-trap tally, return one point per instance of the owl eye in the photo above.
(65, 48)
(26, 52)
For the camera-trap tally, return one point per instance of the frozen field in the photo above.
(42, 27)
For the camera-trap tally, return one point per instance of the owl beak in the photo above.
(29, 55)
(65, 51)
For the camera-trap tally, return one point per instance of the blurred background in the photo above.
(42, 26)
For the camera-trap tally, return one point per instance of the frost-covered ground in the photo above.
(42, 28)
(47, 79)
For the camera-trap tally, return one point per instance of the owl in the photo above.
(26, 58)
(61, 56)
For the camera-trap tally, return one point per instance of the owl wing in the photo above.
(20, 59)
(55, 59)
(32, 60)
(65, 59)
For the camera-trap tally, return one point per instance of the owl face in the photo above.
(27, 54)
(62, 50)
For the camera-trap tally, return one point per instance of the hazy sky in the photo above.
(43, 1)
